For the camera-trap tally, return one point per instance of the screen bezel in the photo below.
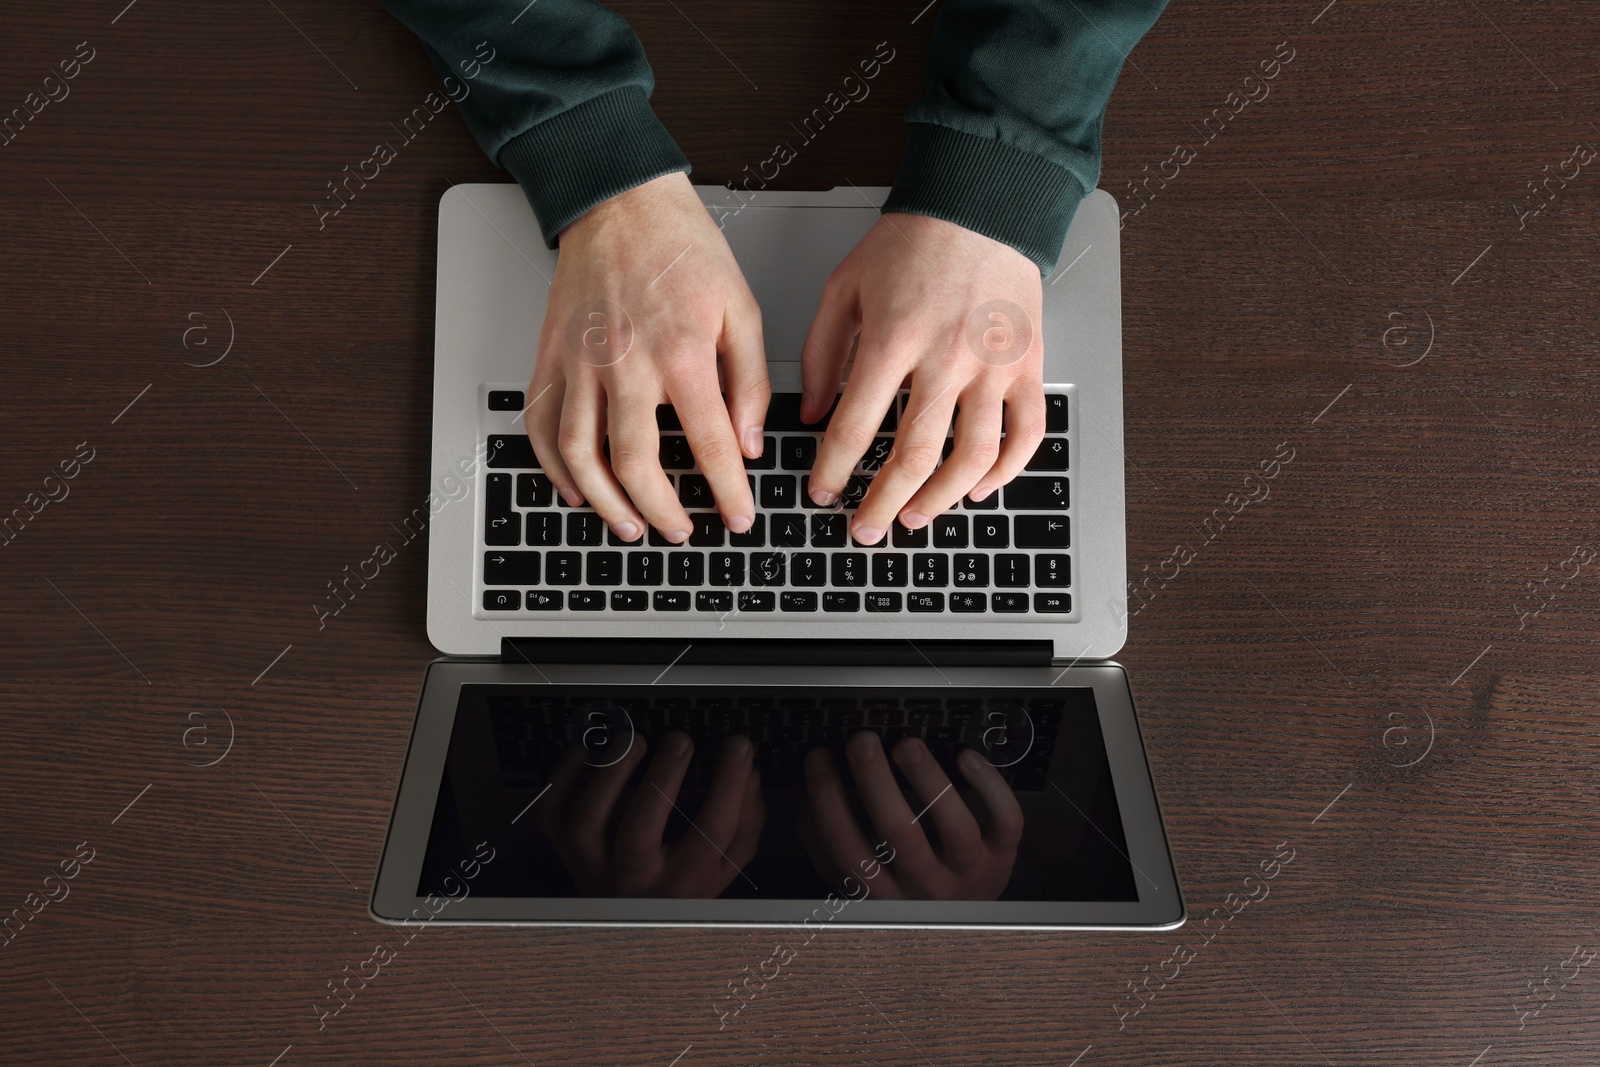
(395, 900)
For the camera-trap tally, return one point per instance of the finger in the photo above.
(747, 835)
(879, 369)
(636, 462)
(593, 806)
(977, 445)
(891, 816)
(582, 417)
(827, 346)
(1024, 420)
(541, 419)
(704, 415)
(838, 834)
(960, 839)
(1005, 814)
(918, 445)
(744, 373)
(705, 846)
(639, 834)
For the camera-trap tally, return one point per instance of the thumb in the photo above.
(827, 347)
(744, 372)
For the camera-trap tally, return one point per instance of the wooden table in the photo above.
(1387, 665)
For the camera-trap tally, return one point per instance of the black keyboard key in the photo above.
(1055, 413)
(667, 418)
(757, 600)
(755, 537)
(505, 400)
(789, 530)
(584, 528)
(544, 529)
(850, 569)
(991, 531)
(686, 568)
(950, 531)
(727, 568)
(832, 601)
(783, 413)
(501, 600)
(798, 601)
(901, 537)
(766, 568)
(969, 602)
(534, 491)
(877, 454)
(925, 601)
(645, 568)
(883, 602)
(675, 455)
(988, 503)
(1010, 603)
(563, 568)
(1052, 603)
(890, 569)
(1052, 571)
(1043, 531)
(798, 453)
(616, 542)
(658, 541)
(543, 600)
(713, 600)
(1037, 494)
(707, 531)
(971, 570)
(629, 599)
(808, 569)
(1051, 455)
(586, 600)
(829, 531)
(854, 491)
(930, 570)
(511, 568)
(777, 491)
(671, 600)
(501, 525)
(512, 450)
(695, 492)
(1011, 572)
(768, 458)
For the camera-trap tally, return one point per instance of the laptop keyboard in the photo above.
(1017, 735)
(1007, 556)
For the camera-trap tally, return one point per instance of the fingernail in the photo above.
(979, 493)
(868, 535)
(739, 523)
(823, 498)
(752, 442)
(913, 520)
(572, 496)
(627, 531)
(680, 745)
(736, 746)
(678, 537)
(805, 402)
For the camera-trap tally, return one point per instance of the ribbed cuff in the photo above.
(1015, 197)
(568, 164)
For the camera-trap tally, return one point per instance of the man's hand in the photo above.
(646, 296)
(973, 863)
(959, 315)
(612, 845)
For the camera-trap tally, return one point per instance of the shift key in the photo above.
(1037, 494)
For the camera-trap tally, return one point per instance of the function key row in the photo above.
(762, 601)
(841, 570)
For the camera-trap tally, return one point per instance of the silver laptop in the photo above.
(548, 779)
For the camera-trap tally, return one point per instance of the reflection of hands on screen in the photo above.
(611, 842)
(972, 862)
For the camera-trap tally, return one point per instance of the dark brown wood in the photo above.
(1375, 601)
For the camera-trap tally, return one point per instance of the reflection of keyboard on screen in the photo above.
(1008, 555)
(1015, 733)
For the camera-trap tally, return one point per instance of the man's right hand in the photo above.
(646, 298)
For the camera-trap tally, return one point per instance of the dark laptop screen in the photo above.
(781, 793)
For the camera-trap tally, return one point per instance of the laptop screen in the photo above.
(937, 793)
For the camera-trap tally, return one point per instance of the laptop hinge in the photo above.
(767, 652)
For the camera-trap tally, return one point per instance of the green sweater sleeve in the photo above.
(1006, 138)
(556, 91)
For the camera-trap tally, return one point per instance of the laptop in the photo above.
(711, 734)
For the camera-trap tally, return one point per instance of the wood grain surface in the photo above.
(1387, 665)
